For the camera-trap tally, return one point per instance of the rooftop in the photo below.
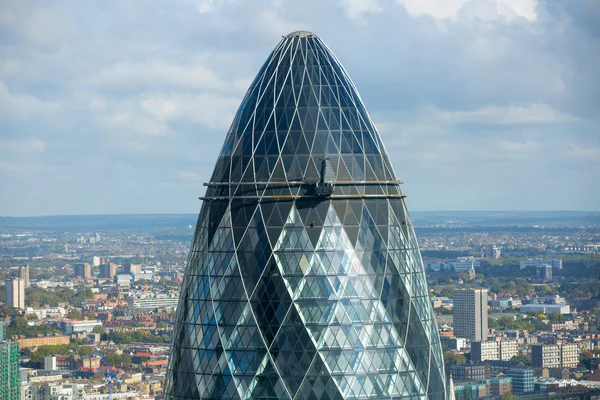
(301, 34)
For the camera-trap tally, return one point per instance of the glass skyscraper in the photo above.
(304, 279)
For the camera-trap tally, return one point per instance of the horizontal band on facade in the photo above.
(297, 197)
(296, 183)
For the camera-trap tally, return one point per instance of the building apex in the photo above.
(301, 34)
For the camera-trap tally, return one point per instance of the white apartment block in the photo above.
(555, 355)
(508, 349)
(500, 349)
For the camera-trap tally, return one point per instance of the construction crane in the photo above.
(111, 375)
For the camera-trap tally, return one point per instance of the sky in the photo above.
(111, 107)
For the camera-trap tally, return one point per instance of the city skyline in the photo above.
(482, 104)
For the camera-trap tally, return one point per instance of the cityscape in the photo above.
(281, 200)
(83, 304)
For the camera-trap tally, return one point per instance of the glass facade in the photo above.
(304, 279)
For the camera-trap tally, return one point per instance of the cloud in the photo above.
(519, 147)
(211, 110)
(484, 9)
(355, 9)
(160, 73)
(15, 105)
(136, 123)
(44, 27)
(272, 23)
(22, 146)
(591, 154)
(499, 115)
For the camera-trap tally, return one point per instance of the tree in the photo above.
(75, 314)
(99, 329)
(556, 318)
(510, 396)
(468, 394)
(451, 358)
(523, 358)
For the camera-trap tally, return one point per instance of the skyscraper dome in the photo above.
(304, 279)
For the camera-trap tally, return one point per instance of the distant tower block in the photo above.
(15, 293)
(24, 274)
(470, 314)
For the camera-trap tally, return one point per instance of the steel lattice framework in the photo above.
(304, 279)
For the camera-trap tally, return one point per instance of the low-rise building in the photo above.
(151, 302)
(467, 372)
(546, 308)
(81, 326)
(55, 340)
(499, 386)
(522, 380)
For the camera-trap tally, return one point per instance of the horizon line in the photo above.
(196, 214)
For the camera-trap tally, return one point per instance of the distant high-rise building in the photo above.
(304, 279)
(15, 293)
(10, 371)
(108, 270)
(470, 314)
(543, 272)
(96, 261)
(83, 270)
(132, 268)
(24, 274)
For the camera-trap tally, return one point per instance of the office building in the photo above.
(534, 262)
(546, 308)
(2, 330)
(96, 261)
(151, 302)
(108, 270)
(304, 280)
(81, 326)
(10, 371)
(24, 274)
(82, 271)
(470, 314)
(15, 293)
(522, 380)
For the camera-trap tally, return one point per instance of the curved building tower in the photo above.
(304, 279)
